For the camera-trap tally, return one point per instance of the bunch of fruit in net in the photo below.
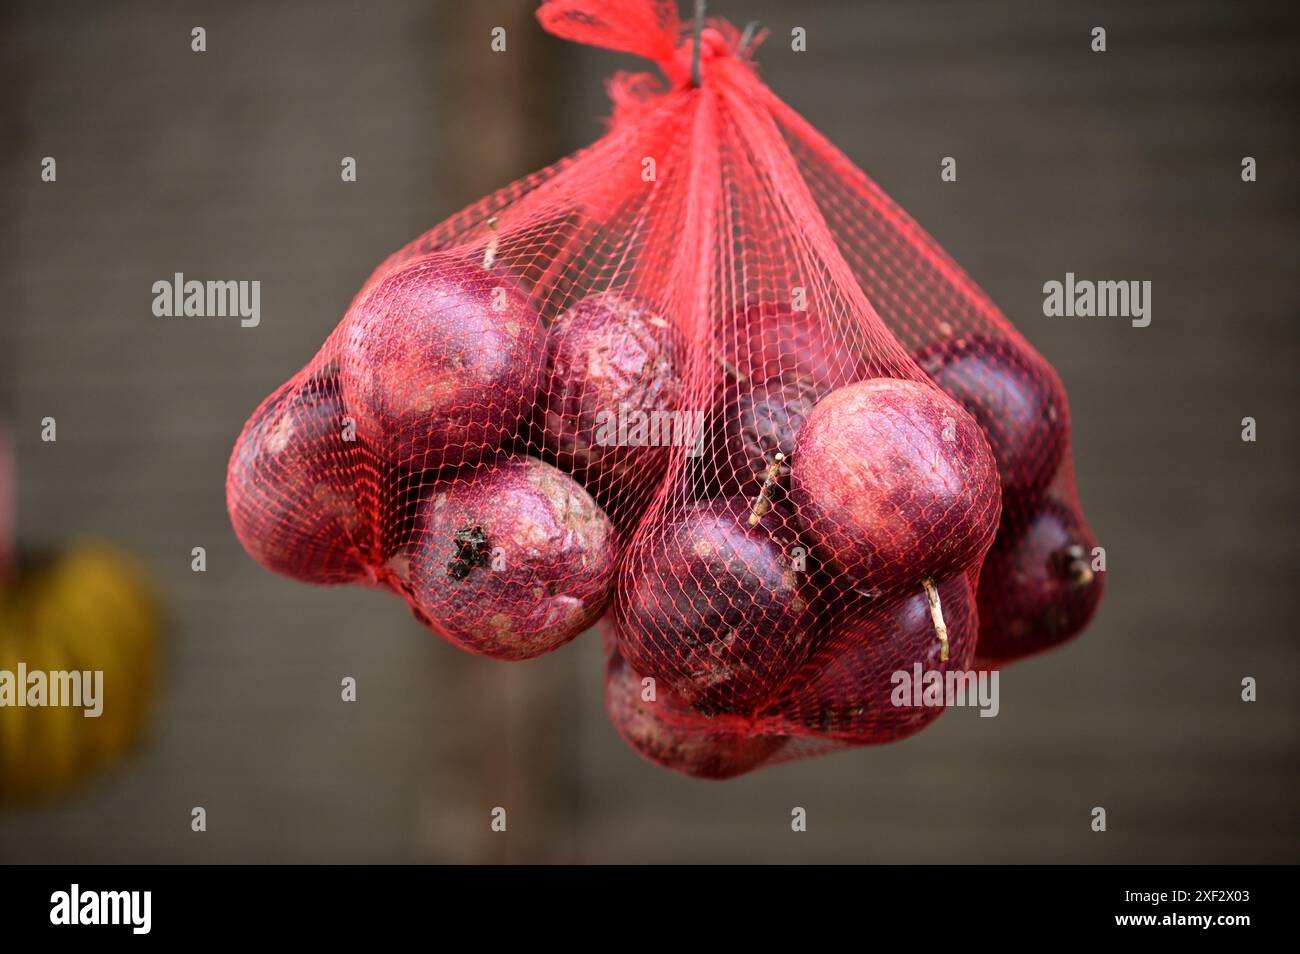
(703, 381)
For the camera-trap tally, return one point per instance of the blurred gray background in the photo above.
(1123, 165)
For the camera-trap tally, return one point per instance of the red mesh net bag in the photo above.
(1043, 578)
(701, 380)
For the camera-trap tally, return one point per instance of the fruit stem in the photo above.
(490, 254)
(936, 614)
(764, 502)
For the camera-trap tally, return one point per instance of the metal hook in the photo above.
(695, 53)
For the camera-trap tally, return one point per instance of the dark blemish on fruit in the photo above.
(471, 550)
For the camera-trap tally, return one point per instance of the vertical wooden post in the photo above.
(497, 113)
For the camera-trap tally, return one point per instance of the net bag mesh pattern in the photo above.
(703, 381)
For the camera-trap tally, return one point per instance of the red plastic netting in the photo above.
(704, 380)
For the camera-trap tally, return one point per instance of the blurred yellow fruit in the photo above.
(91, 609)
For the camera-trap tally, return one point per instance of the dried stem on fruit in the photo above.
(764, 502)
(936, 613)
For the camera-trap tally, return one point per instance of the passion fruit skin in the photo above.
(766, 340)
(846, 691)
(290, 490)
(714, 608)
(439, 363)
(1037, 589)
(1016, 398)
(610, 353)
(670, 733)
(511, 560)
(893, 482)
(757, 424)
